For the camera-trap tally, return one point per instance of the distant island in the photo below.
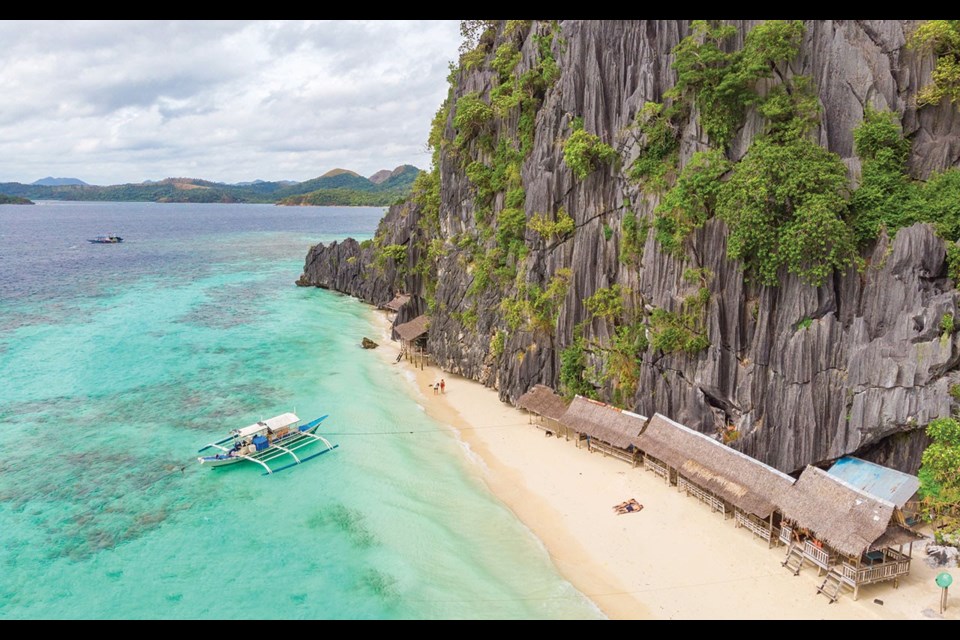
(50, 181)
(5, 199)
(339, 187)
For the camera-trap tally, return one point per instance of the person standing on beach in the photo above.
(443, 385)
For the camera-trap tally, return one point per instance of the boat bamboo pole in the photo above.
(277, 446)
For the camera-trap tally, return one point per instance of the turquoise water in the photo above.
(119, 361)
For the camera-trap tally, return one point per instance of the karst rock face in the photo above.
(804, 374)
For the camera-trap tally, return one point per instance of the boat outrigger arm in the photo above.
(291, 443)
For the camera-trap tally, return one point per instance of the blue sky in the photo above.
(112, 102)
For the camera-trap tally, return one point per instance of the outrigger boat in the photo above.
(267, 441)
(111, 239)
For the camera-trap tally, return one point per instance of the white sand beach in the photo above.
(674, 559)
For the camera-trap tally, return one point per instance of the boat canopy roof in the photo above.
(274, 424)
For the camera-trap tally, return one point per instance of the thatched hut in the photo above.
(721, 477)
(608, 429)
(844, 530)
(548, 406)
(410, 332)
(398, 301)
(412, 337)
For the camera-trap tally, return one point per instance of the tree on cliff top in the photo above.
(940, 476)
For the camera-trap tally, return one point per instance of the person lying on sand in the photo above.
(630, 506)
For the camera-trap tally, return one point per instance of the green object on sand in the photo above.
(944, 580)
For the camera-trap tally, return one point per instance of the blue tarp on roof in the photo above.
(889, 484)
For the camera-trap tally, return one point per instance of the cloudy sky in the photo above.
(112, 102)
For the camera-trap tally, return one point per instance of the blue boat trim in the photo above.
(310, 425)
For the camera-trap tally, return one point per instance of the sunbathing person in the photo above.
(630, 506)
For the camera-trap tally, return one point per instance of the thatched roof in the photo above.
(542, 400)
(398, 301)
(744, 482)
(414, 329)
(604, 422)
(894, 536)
(883, 482)
(848, 519)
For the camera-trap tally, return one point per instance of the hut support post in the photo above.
(896, 581)
(856, 585)
(770, 541)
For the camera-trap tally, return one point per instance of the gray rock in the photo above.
(367, 343)
(865, 376)
(941, 556)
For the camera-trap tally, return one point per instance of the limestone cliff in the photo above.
(804, 374)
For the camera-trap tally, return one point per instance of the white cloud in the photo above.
(113, 101)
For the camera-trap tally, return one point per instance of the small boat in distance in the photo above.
(267, 440)
(111, 239)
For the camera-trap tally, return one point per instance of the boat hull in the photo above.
(219, 460)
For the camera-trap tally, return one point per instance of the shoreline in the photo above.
(675, 559)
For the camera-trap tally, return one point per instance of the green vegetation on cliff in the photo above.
(942, 38)
(683, 330)
(658, 131)
(536, 309)
(552, 229)
(573, 371)
(786, 200)
(723, 84)
(691, 201)
(584, 152)
(493, 135)
(939, 481)
(888, 198)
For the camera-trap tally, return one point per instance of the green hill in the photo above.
(332, 189)
(336, 187)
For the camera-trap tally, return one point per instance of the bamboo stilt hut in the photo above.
(541, 401)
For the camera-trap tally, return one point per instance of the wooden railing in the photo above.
(819, 556)
(894, 565)
(661, 470)
(610, 450)
(707, 498)
(758, 528)
(786, 532)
